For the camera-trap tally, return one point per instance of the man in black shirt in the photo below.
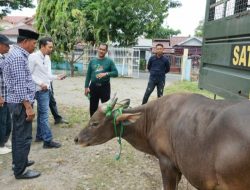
(158, 66)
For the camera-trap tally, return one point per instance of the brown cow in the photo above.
(208, 141)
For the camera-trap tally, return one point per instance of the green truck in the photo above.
(225, 67)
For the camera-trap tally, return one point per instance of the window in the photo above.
(223, 8)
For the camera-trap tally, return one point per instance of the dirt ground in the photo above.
(91, 168)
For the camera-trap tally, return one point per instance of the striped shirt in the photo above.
(17, 77)
(3, 89)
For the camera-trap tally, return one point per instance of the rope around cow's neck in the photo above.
(117, 112)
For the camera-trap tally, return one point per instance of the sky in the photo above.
(186, 18)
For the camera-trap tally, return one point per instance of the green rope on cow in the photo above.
(108, 110)
(117, 112)
(119, 140)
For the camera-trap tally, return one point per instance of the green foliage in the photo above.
(121, 21)
(143, 64)
(163, 33)
(65, 22)
(8, 5)
(62, 21)
(57, 57)
(199, 29)
(69, 22)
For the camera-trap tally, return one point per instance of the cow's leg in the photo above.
(170, 175)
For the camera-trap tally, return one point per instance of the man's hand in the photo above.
(87, 90)
(44, 86)
(29, 111)
(101, 75)
(30, 114)
(1, 101)
(61, 76)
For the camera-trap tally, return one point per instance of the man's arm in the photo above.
(32, 67)
(18, 71)
(1, 82)
(1, 77)
(88, 79)
(114, 71)
(1, 101)
(29, 110)
(88, 75)
(1, 96)
(167, 66)
(149, 63)
(50, 75)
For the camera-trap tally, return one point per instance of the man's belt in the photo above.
(100, 84)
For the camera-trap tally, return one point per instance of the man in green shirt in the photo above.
(97, 83)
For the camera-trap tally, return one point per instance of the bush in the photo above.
(143, 64)
(57, 57)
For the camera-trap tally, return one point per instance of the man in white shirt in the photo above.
(40, 67)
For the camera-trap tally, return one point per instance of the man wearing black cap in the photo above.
(5, 122)
(21, 93)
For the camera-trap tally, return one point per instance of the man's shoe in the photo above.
(29, 174)
(38, 140)
(5, 150)
(61, 121)
(30, 163)
(51, 144)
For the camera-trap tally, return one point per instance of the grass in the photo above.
(186, 86)
(74, 115)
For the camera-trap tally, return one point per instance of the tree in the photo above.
(163, 33)
(199, 29)
(65, 24)
(123, 21)
(8, 5)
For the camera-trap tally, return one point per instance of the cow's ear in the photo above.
(128, 118)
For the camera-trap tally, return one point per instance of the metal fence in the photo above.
(126, 59)
(224, 8)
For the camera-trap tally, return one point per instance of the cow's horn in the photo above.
(109, 105)
(113, 102)
(123, 104)
(113, 97)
